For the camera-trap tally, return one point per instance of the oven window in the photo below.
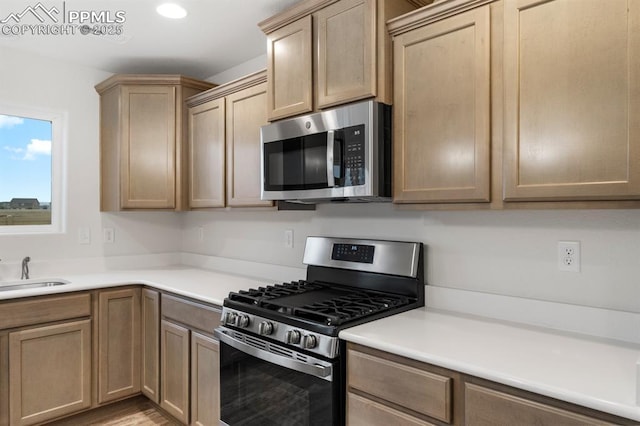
(296, 164)
(256, 392)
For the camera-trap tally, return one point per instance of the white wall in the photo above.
(253, 65)
(511, 253)
(502, 252)
(34, 81)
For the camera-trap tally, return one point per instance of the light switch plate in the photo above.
(84, 235)
(108, 235)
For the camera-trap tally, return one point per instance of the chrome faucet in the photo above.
(25, 268)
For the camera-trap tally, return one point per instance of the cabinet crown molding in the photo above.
(152, 79)
(292, 14)
(304, 8)
(228, 88)
(436, 11)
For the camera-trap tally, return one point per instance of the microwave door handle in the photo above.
(330, 179)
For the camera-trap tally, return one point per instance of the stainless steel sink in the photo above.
(31, 284)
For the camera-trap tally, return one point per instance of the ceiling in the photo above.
(216, 34)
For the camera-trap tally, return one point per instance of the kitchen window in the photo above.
(31, 170)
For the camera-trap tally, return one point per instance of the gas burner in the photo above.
(261, 295)
(351, 306)
(319, 302)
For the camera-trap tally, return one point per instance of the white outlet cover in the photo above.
(569, 256)
(108, 235)
(288, 238)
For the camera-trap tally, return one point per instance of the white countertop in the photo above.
(204, 285)
(596, 373)
(586, 371)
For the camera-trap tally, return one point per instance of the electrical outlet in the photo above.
(569, 256)
(288, 238)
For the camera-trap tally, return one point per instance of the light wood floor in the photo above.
(134, 412)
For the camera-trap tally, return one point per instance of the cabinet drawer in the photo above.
(484, 406)
(192, 314)
(40, 310)
(364, 412)
(418, 390)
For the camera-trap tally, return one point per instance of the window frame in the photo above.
(58, 121)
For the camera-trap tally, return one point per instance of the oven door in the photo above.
(269, 385)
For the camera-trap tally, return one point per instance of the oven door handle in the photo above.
(320, 371)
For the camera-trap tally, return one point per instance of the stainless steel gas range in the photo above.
(281, 361)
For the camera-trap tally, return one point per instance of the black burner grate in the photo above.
(257, 296)
(320, 303)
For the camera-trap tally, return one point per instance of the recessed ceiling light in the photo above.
(171, 10)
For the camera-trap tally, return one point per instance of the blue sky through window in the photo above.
(25, 158)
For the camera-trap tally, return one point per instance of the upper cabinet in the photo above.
(346, 43)
(442, 110)
(289, 70)
(572, 100)
(322, 53)
(206, 154)
(143, 141)
(517, 104)
(224, 144)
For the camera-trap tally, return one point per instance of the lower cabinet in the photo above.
(365, 412)
(46, 358)
(205, 388)
(118, 344)
(63, 354)
(174, 353)
(189, 373)
(50, 372)
(486, 406)
(386, 389)
(150, 371)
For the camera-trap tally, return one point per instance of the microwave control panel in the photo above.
(354, 155)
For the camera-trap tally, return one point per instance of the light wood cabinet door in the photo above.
(174, 356)
(147, 157)
(289, 70)
(4, 378)
(488, 407)
(144, 141)
(50, 372)
(416, 389)
(150, 371)
(118, 344)
(207, 154)
(205, 380)
(572, 100)
(365, 412)
(246, 112)
(346, 51)
(442, 111)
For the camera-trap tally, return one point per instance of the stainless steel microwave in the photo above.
(341, 154)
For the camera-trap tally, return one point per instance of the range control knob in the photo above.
(230, 318)
(309, 342)
(243, 321)
(292, 337)
(265, 328)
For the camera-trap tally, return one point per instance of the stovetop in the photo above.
(349, 282)
(315, 302)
